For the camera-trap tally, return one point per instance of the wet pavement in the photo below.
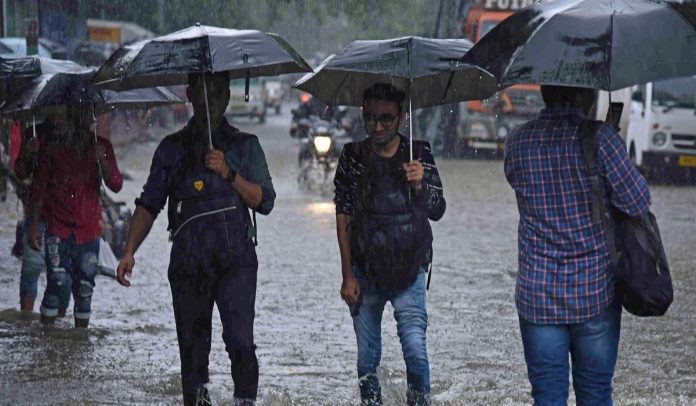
(306, 345)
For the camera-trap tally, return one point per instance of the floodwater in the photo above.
(306, 345)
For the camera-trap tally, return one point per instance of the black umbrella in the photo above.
(600, 44)
(15, 72)
(31, 66)
(169, 59)
(52, 93)
(427, 69)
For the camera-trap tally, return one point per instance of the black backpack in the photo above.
(641, 272)
(389, 248)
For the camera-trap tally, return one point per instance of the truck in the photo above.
(275, 92)
(484, 124)
(658, 124)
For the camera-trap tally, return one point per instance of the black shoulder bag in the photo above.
(641, 272)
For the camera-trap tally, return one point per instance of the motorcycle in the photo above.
(319, 152)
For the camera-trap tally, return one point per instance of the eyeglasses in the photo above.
(387, 120)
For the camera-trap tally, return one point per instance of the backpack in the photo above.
(641, 273)
(389, 248)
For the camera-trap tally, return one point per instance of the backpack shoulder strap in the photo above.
(588, 146)
(600, 213)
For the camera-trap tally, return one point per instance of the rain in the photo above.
(303, 332)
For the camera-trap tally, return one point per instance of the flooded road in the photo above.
(306, 345)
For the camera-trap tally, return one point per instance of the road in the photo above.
(306, 345)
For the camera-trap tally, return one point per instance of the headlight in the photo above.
(502, 132)
(322, 144)
(659, 139)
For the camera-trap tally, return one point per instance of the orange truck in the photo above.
(484, 124)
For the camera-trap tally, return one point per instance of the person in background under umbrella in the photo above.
(383, 206)
(564, 292)
(67, 192)
(213, 258)
(26, 168)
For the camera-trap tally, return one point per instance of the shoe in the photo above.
(61, 312)
(81, 323)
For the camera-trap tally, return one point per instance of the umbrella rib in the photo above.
(449, 82)
(209, 54)
(340, 86)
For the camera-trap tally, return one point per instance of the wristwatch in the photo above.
(231, 175)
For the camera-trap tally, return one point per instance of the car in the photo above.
(255, 107)
(18, 47)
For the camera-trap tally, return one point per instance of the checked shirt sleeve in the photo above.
(628, 188)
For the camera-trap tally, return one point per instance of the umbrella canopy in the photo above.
(32, 66)
(427, 69)
(15, 72)
(600, 44)
(52, 93)
(169, 59)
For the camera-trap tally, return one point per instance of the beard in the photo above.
(385, 141)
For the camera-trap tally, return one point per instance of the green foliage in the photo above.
(309, 25)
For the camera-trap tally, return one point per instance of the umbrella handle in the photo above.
(207, 113)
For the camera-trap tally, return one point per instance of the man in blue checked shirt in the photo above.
(564, 292)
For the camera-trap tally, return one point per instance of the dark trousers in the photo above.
(234, 293)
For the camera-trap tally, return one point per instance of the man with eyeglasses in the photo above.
(384, 202)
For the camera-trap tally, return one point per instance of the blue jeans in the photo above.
(411, 323)
(33, 262)
(593, 347)
(69, 267)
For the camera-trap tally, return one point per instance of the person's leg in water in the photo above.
(412, 322)
(235, 298)
(33, 263)
(367, 323)
(593, 352)
(59, 263)
(193, 310)
(83, 275)
(546, 352)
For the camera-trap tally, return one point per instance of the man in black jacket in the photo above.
(384, 202)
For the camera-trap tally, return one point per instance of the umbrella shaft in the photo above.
(410, 128)
(207, 113)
